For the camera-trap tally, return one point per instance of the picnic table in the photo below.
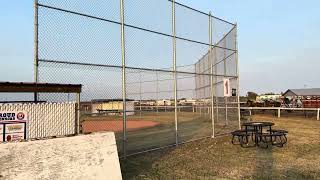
(260, 132)
(257, 129)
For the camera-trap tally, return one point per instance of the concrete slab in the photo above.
(87, 157)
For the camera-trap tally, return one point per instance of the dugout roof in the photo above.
(25, 87)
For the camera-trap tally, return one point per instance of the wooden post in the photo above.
(278, 112)
(318, 114)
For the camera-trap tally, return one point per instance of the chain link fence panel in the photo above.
(81, 43)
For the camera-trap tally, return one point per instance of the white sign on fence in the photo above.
(13, 116)
(15, 131)
(226, 87)
(13, 125)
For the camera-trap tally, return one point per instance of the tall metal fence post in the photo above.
(36, 46)
(157, 96)
(216, 81)
(124, 114)
(225, 74)
(175, 68)
(211, 71)
(140, 93)
(238, 77)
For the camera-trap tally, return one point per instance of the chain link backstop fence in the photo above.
(152, 71)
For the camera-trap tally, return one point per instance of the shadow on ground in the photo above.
(140, 166)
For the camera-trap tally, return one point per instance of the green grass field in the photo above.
(219, 159)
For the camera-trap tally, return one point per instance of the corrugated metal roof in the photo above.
(305, 92)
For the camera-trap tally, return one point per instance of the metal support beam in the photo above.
(225, 74)
(140, 92)
(211, 71)
(157, 86)
(175, 69)
(36, 46)
(215, 83)
(238, 77)
(124, 114)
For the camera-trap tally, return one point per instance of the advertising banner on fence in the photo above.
(13, 116)
(13, 125)
(226, 87)
(15, 131)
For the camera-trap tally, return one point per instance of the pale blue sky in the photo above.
(278, 41)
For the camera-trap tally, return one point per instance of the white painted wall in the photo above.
(84, 157)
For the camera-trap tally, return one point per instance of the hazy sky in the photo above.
(278, 41)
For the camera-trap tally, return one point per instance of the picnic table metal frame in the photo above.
(257, 129)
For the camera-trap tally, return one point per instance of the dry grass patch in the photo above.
(218, 158)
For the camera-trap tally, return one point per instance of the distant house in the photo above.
(185, 102)
(164, 102)
(86, 106)
(146, 102)
(271, 97)
(112, 106)
(310, 92)
(308, 98)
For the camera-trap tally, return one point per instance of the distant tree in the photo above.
(252, 96)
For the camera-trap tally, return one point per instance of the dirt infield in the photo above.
(115, 126)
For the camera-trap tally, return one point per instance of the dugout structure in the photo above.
(169, 58)
(44, 117)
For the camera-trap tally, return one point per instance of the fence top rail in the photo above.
(132, 26)
(281, 108)
(201, 12)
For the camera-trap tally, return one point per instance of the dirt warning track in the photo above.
(115, 126)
